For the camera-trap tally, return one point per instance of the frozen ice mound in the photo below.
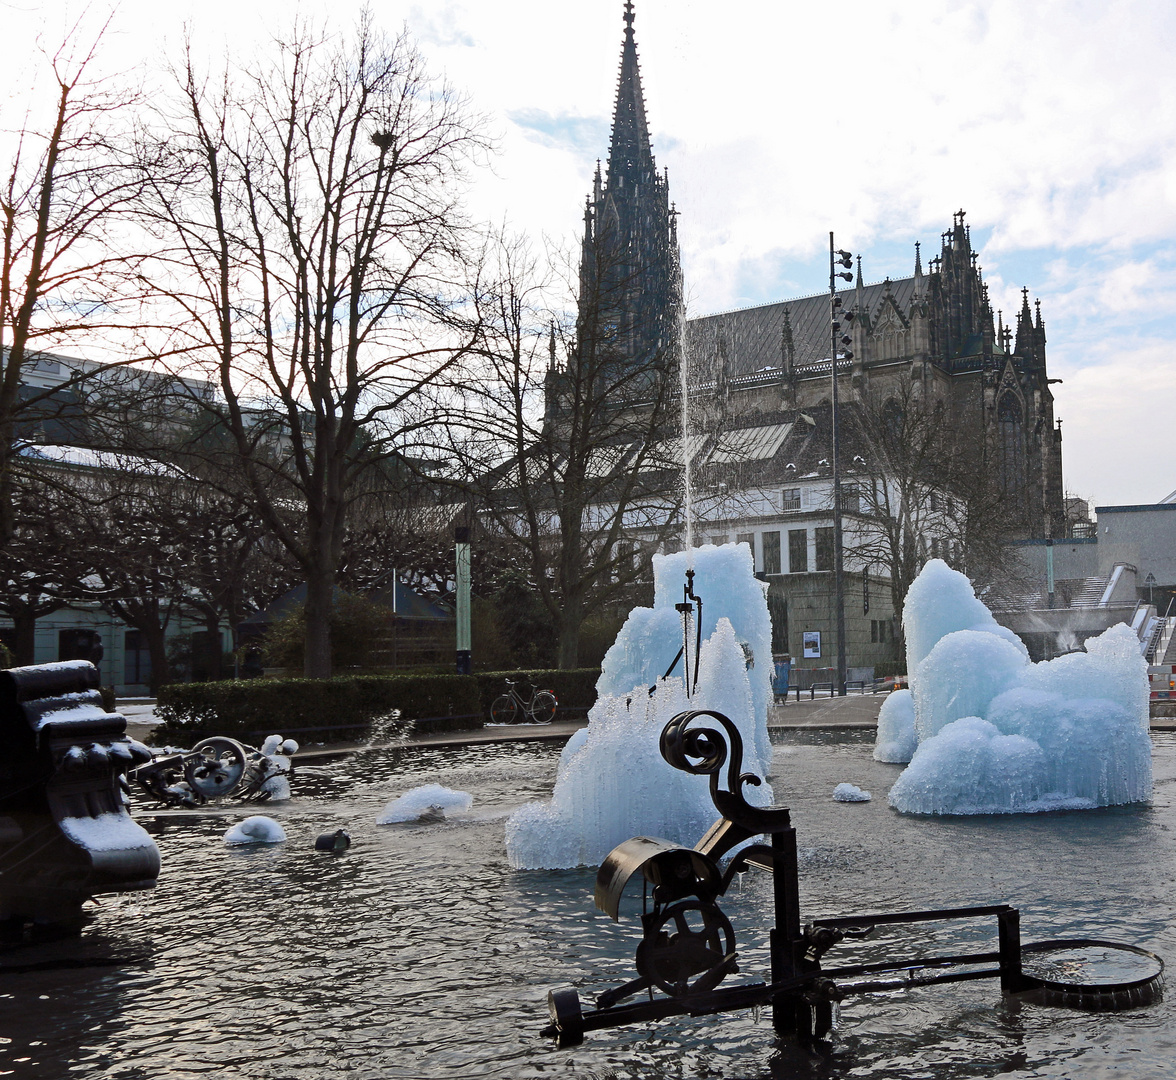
(429, 802)
(612, 782)
(725, 579)
(850, 793)
(998, 734)
(256, 830)
(896, 740)
(939, 602)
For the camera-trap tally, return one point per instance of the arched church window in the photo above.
(1011, 428)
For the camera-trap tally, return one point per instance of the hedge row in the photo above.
(343, 708)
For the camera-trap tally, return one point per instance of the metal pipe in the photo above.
(838, 582)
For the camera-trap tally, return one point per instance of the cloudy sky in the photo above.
(1052, 123)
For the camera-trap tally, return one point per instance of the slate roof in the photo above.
(752, 335)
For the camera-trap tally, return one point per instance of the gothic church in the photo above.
(758, 369)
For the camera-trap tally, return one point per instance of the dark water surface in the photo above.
(419, 953)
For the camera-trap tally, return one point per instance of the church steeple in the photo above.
(630, 156)
(630, 280)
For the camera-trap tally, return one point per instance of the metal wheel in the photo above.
(542, 707)
(504, 710)
(687, 940)
(215, 767)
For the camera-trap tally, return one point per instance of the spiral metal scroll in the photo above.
(703, 751)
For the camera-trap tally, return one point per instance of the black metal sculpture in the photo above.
(65, 834)
(688, 945)
(214, 768)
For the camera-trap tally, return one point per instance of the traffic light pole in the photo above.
(843, 258)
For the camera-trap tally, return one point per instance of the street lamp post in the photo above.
(838, 341)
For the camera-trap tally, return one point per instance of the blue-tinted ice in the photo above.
(993, 733)
(612, 781)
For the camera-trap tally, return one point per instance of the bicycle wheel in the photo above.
(504, 710)
(542, 707)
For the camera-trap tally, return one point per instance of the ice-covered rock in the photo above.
(896, 740)
(612, 781)
(429, 802)
(850, 793)
(256, 830)
(999, 734)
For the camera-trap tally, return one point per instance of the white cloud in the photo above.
(1053, 123)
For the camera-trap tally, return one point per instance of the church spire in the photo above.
(1025, 330)
(630, 157)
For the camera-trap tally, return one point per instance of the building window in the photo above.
(878, 631)
(851, 498)
(792, 499)
(749, 540)
(771, 542)
(719, 541)
(136, 658)
(798, 550)
(825, 549)
(79, 644)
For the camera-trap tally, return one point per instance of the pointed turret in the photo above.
(630, 157)
(1025, 346)
(919, 282)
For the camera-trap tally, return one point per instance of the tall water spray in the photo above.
(684, 398)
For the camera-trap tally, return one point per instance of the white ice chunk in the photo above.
(998, 734)
(612, 781)
(429, 802)
(850, 793)
(969, 767)
(959, 677)
(725, 579)
(939, 602)
(256, 830)
(896, 739)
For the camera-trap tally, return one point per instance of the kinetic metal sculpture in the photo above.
(688, 945)
(65, 834)
(214, 768)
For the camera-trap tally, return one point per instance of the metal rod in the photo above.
(838, 581)
(914, 916)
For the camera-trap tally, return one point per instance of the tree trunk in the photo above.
(570, 618)
(157, 648)
(215, 658)
(320, 588)
(24, 632)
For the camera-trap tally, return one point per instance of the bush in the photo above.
(343, 708)
(327, 710)
(895, 667)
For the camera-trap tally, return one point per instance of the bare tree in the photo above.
(923, 487)
(315, 268)
(571, 454)
(66, 265)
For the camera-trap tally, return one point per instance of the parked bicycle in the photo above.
(538, 709)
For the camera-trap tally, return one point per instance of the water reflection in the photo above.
(419, 953)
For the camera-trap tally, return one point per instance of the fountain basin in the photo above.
(420, 953)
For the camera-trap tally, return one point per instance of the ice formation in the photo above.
(277, 766)
(850, 793)
(997, 733)
(430, 802)
(896, 739)
(256, 830)
(612, 782)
